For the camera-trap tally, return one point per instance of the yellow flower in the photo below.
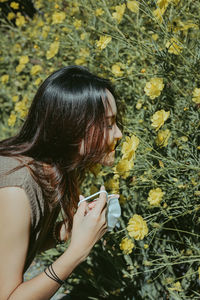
(20, 68)
(162, 138)
(122, 199)
(85, 52)
(113, 184)
(138, 105)
(11, 16)
(116, 70)
(37, 81)
(103, 42)
(23, 60)
(137, 227)
(15, 98)
(38, 4)
(177, 25)
(119, 12)
(116, 292)
(126, 245)
(45, 31)
(36, 69)
(66, 29)
(176, 287)
(80, 61)
(90, 272)
(154, 87)
(174, 46)
(4, 78)
(162, 4)
(17, 48)
(123, 167)
(196, 96)
(12, 119)
(54, 47)
(58, 17)
(99, 12)
(161, 163)
(21, 108)
(83, 36)
(155, 196)
(159, 118)
(129, 147)
(133, 6)
(40, 23)
(155, 36)
(14, 5)
(22, 63)
(158, 14)
(77, 24)
(20, 20)
(188, 26)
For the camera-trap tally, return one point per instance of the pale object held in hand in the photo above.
(113, 209)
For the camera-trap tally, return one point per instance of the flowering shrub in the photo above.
(150, 50)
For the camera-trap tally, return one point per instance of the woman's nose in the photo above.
(118, 133)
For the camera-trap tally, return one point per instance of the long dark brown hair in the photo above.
(68, 107)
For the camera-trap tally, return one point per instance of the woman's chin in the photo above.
(108, 159)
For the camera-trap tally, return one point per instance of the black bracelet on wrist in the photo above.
(53, 275)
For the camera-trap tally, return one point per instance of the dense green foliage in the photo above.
(151, 52)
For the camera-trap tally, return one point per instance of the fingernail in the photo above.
(81, 197)
(102, 188)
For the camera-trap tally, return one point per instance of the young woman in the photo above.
(71, 126)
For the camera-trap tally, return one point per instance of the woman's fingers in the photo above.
(100, 204)
(89, 227)
(82, 209)
(92, 204)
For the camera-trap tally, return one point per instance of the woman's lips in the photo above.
(112, 149)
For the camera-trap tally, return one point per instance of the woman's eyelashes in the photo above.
(110, 126)
(112, 123)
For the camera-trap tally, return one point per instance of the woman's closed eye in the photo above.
(110, 126)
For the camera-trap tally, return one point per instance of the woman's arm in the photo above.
(14, 238)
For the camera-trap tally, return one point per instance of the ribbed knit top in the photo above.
(40, 212)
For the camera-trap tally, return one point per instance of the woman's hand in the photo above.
(92, 204)
(89, 225)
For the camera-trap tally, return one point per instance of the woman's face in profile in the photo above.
(114, 133)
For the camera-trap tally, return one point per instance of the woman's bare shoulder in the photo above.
(15, 220)
(15, 200)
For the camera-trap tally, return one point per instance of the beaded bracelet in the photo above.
(53, 275)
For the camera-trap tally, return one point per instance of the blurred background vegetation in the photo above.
(150, 50)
